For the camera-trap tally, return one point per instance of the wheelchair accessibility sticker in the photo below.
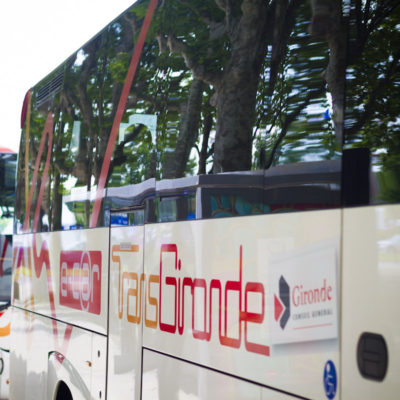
(330, 380)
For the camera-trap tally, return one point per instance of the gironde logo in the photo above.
(282, 304)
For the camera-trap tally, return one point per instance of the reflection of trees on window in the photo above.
(293, 104)
(45, 97)
(231, 85)
(89, 101)
(373, 89)
(265, 77)
(234, 86)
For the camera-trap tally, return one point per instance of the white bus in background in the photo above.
(207, 207)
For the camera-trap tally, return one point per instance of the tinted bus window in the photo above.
(8, 163)
(208, 96)
(373, 98)
(38, 176)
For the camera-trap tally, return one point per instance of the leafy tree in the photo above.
(373, 87)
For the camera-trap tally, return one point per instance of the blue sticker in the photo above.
(330, 380)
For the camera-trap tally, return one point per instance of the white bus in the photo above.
(207, 207)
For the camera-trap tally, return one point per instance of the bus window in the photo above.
(372, 97)
(8, 163)
(37, 194)
(196, 106)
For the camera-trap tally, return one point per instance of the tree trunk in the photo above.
(327, 23)
(189, 128)
(236, 91)
(208, 123)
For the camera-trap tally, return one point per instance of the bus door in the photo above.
(126, 287)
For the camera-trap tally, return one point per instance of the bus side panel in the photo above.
(99, 366)
(39, 360)
(371, 298)
(5, 324)
(28, 356)
(268, 394)
(127, 286)
(167, 378)
(272, 283)
(66, 279)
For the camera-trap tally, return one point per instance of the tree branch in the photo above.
(204, 153)
(380, 88)
(205, 16)
(199, 70)
(289, 119)
(364, 29)
(367, 10)
(222, 4)
(285, 14)
(381, 13)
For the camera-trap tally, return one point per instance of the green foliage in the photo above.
(372, 117)
(119, 67)
(294, 118)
